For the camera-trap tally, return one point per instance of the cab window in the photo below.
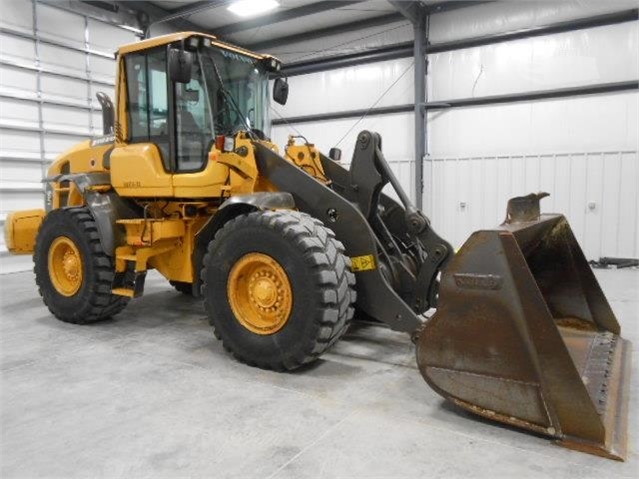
(147, 98)
(193, 122)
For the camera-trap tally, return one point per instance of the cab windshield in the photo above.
(245, 82)
(207, 107)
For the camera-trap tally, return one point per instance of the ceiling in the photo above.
(293, 18)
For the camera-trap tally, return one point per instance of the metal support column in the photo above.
(36, 46)
(420, 32)
(87, 72)
(418, 14)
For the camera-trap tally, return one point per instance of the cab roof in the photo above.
(174, 37)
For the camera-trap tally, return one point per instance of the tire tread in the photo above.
(326, 257)
(102, 304)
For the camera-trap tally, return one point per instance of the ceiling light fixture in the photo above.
(248, 8)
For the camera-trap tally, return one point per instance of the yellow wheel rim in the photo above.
(260, 294)
(65, 266)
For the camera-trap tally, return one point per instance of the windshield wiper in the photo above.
(231, 100)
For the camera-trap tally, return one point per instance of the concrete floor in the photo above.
(153, 394)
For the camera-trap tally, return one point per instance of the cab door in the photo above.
(143, 166)
(197, 173)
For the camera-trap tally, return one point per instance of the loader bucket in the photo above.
(524, 335)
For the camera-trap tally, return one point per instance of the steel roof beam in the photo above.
(356, 25)
(328, 31)
(191, 9)
(405, 49)
(409, 9)
(154, 13)
(284, 15)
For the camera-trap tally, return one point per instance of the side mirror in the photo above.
(280, 91)
(180, 65)
(335, 154)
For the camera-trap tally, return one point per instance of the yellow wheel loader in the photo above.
(286, 246)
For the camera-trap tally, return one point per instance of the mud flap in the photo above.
(523, 334)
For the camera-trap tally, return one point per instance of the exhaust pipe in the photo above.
(108, 113)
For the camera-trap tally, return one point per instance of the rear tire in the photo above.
(73, 272)
(312, 283)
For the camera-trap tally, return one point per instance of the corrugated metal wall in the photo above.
(597, 191)
(582, 150)
(52, 62)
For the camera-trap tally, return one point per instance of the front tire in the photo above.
(278, 288)
(73, 272)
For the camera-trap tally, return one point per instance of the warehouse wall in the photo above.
(583, 150)
(52, 62)
(355, 88)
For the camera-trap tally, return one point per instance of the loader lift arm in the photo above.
(415, 251)
(396, 255)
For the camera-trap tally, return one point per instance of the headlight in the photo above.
(192, 42)
(272, 65)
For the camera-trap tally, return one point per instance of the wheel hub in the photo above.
(263, 290)
(71, 265)
(65, 266)
(260, 294)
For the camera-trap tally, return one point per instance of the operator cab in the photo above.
(183, 94)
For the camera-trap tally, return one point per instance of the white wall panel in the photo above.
(18, 143)
(11, 109)
(552, 61)
(350, 88)
(16, 170)
(14, 47)
(103, 67)
(595, 190)
(106, 38)
(59, 25)
(482, 156)
(17, 13)
(12, 77)
(516, 15)
(590, 122)
(28, 196)
(68, 119)
(65, 87)
(63, 59)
